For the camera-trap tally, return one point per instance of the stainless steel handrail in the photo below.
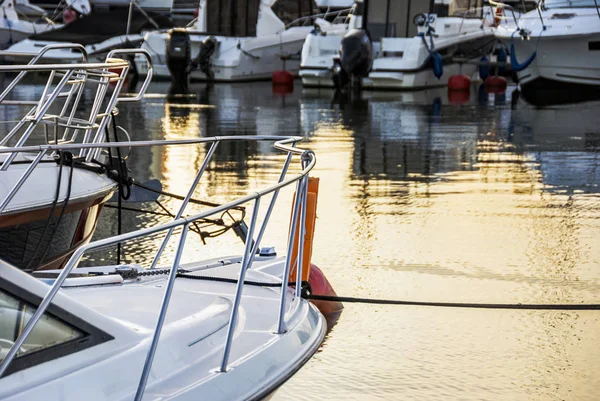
(321, 15)
(75, 77)
(505, 7)
(285, 144)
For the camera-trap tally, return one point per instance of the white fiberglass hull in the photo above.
(318, 52)
(567, 50)
(409, 67)
(95, 52)
(402, 63)
(235, 59)
(416, 80)
(14, 31)
(190, 351)
(566, 60)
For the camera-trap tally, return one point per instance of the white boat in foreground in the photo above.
(556, 45)
(222, 329)
(249, 45)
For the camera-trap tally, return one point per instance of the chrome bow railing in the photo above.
(339, 17)
(64, 91)
(69, 124)
(252, 243)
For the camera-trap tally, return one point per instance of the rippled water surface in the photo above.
(424, 199)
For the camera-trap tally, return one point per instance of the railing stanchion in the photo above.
(240, 287)
(263, 227)
(288, 259)
(302, 234)
(161, 317)
(185, 202)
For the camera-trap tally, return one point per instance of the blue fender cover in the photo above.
(484, 67)
(438, 65)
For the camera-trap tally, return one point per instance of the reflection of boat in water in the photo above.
(564, 141)
(400, 134)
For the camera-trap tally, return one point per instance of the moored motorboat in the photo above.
(14, 29)
(226, 46)
(50, 200)
(100, 32)
(556, 46)
(409, 45)
(229, 328)
(321, 47)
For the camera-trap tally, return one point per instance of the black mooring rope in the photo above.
(455, 304)
(307, 294)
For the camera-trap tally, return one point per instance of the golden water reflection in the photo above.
(420, 199)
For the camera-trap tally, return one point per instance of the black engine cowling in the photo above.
(179, 55)
(356, 56)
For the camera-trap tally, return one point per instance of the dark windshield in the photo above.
(232, 17)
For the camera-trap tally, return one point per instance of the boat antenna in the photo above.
(132, 4)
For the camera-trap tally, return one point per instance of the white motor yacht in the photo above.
(556, 45)
(321, 47)
(404, 45)
(50, 199)
(14, 29)
(250, 44)
(451, 38)
(225, 329)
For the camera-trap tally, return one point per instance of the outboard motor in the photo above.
(202, 60)
(356, 57)
(179, 57)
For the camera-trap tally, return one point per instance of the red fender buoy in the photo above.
(459, 97)
(282, 89)
(495, 84)
(69, 16)
(320, 286)
(283, 78)
(459, 83)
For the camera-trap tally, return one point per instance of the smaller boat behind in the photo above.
(100, 32)
(401, 45)
(224, 329)
(14, 28)
(226, 44)
(50, 198)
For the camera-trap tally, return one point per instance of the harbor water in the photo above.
(423, 197)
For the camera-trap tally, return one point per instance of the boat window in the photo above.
(394, 18)
(48, 332)
(291, 10)
(466, 8)
(569, 3)
(232, 17)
